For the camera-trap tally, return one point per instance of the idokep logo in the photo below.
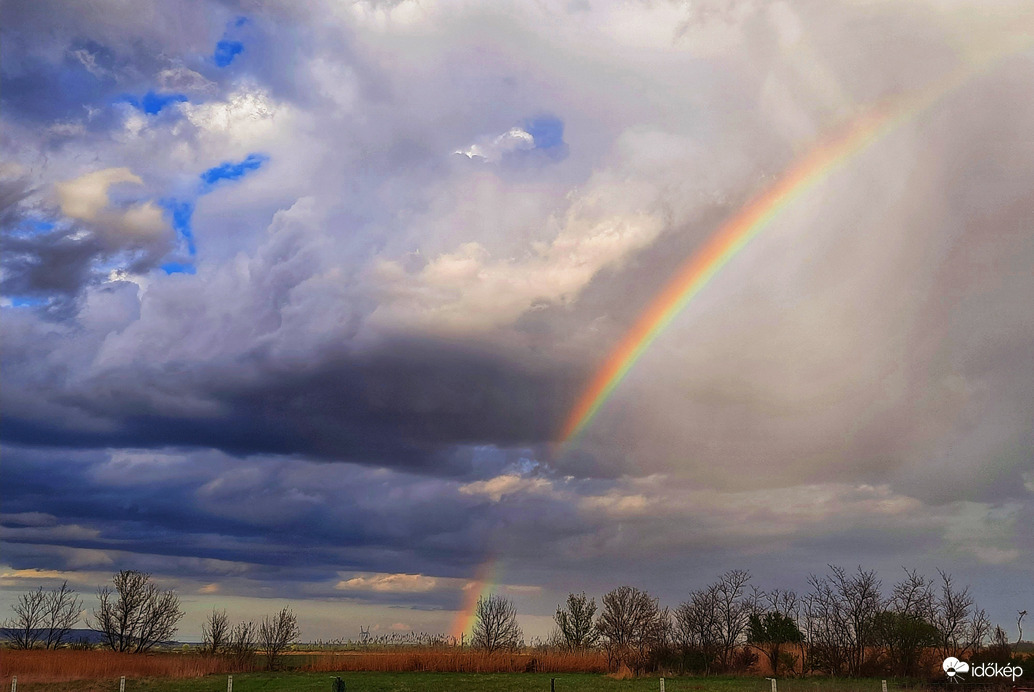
(954, 668)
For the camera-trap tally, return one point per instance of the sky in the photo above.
(297, 299)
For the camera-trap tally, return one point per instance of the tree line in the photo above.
(134, 616)
(844, 625)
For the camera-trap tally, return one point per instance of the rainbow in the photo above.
(483, 584)
(737, 232)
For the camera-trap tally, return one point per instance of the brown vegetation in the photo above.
(66, 664)
(39, 665)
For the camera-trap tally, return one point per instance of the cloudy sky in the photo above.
(297, 298)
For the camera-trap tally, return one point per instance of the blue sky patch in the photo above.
(226, 51)
(232, 171)
(548, 132)
(180, 214)
(28, 301)
(34, 226)
(153, 102)
(179, 268)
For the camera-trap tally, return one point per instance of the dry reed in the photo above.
(66, 664)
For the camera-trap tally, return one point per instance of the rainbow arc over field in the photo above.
(483, 584)
(695, 273)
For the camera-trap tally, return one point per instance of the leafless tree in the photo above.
(575, 622)
(26, 627)
(696, 628)
(62, 609)
(861, 601)
(977, 631)
(495, 624)
(275, 634)
(44, 617)
(999, 648)
(732, 609)
(215, 632)
(135, 615)
(240, 645)
(631, 626)
(960, 625)
(840, 619)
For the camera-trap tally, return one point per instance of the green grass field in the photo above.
(457, 682)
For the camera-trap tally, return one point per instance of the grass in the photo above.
(451, 682)
(453, 661)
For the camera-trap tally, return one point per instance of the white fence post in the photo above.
(884, 686)
(14, 683)
(122, 684)
(229, 683)
(774, 689)
(662, 684)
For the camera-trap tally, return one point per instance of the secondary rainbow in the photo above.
(738, 231)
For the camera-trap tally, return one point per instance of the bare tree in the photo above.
(215, 632)
(575, 623)
(696, 629)
(26, 627)
(240, 645)
(631, 626)
(732, 611)
(495, 624)
(860, 601)
(840, 616)
(1019, 624)
(276, 633)
(952, 616)
(825, 629)
(135, 615)
(62, 608)
(44, 617)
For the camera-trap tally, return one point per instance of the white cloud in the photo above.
(86, 199)
(86, 196)
(247, 119)
(390, 583)
(493, 150)
(469, 290)
(500, 486)
(181, 78)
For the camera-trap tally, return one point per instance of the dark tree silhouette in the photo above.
(495, 624)
(276, 633)
(240, 645)
(135, 615)
(631, 625)
(44, 618)
(575, 622)
(215, 632)
(769, 632)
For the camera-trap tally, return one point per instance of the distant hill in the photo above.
(76, 635)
